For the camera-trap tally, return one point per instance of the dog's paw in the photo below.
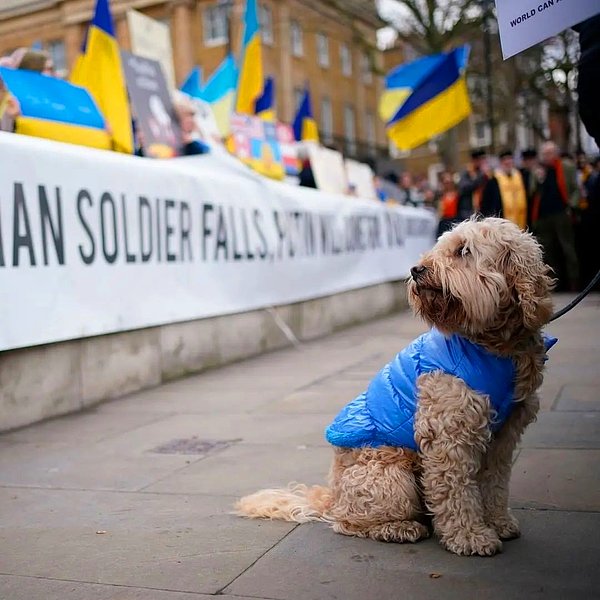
(481, 542)
(506, 526)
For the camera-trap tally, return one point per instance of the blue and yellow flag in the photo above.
(219, 92)
(265, 105)
(55, 109)
(250, 83)
(99, 71)
(425, 97)
(192, 85)
(304, 125)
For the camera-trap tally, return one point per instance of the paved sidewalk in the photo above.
(132, 500)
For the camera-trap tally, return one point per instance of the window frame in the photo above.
(323, 55)
(346, 59)
(296, 39)
(208, 22)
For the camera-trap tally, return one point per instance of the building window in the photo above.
(349, 130)
(266, 24)
(56, 49)
(297, 42)
(215, 25)
(480, 134)
(322, 50)
(346, 60)
(326, 120)
(370, 131)
(367, 71)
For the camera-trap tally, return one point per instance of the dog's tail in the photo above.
(298, 503)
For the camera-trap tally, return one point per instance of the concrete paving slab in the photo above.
(13, 587)
(248, 428)
(579, 398)
(565, 479)
(109, 465)
(168, 542)
(89, 426)
(541, 564)
(313, 400)
(265, 466)
(191, 400)
(564, 430)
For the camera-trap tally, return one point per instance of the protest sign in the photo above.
(524, 23)
(97, 242)
(255, 143)
(152, 39)
(151, 106)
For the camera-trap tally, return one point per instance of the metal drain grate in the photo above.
(194, 446)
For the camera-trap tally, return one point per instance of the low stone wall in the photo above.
(46, 381)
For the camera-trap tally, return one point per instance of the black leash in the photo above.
(577, 300)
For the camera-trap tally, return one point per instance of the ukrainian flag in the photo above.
(219, 92)
(192, 85)
(426, 97)
(250, 84)
(55, 109)
(265, 105)
(101, 73)
(305, 126)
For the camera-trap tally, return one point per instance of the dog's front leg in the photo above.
(495, 475)
(452, 430)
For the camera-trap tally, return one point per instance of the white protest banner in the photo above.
(95, 242)
(524, 23)
(152, 39)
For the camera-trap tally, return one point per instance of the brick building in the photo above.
(329, 43)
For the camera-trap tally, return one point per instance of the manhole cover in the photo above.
(194, 445)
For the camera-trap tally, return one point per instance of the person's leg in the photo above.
(566, 240)
(545, 232)
(375, 494)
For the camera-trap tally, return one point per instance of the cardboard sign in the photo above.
(255, 143)
(524, 23)
(152, 39)
(151, 106)
(289, 148)
(328, 168)
(360, 179)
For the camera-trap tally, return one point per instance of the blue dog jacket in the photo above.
(384, 414)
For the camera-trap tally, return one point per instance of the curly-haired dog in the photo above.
(437, 427)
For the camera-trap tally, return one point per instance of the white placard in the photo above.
(152, 39)
(360, 175)
(328, 168)
(95, 242)
(524, 23)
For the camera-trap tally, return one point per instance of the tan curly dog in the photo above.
(484, 281)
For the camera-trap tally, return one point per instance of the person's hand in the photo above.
(13, 108)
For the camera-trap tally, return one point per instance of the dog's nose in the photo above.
(418, 270)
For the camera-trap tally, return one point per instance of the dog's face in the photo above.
(483, 276)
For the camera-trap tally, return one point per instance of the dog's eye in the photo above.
(462, 251)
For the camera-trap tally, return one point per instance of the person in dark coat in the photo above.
(471, 184)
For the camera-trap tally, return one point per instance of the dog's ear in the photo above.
(529, 278)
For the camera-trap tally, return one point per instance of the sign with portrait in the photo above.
(152, 108)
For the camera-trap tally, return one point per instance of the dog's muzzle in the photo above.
(418, 272)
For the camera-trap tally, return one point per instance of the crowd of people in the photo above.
(554, 195)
